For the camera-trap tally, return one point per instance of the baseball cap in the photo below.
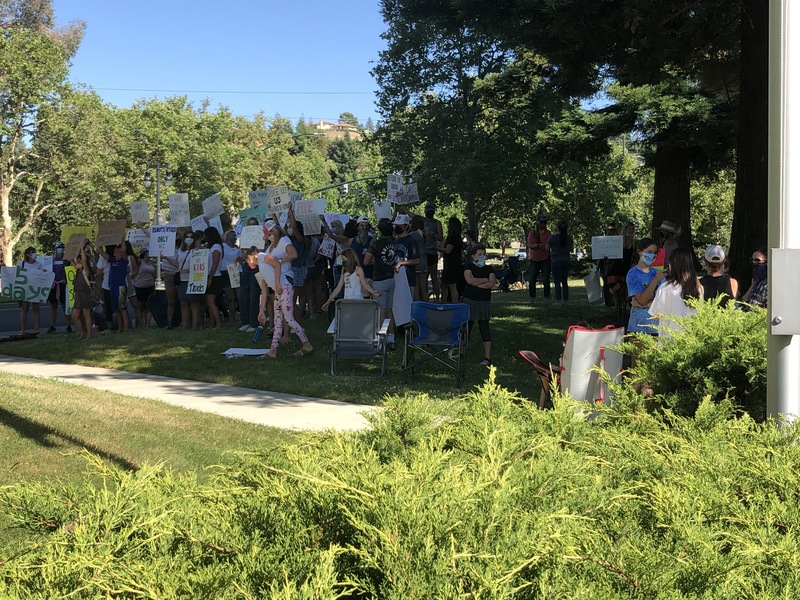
(401, 220)
(60, 245)
(715, 254)
(430, 206)
(362, 219)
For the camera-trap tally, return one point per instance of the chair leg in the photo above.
(333, 363)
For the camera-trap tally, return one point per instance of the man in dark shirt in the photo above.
(381, 257)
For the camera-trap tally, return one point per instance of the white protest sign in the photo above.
(252, 235)
(410, 194)
(258, 198)
(162, 240)
(24, 285)
(216, 223)
(199, 223)
(394, 182)
(179, 210)
(212, 207)
(198, 271)
(606, 246)
(383, 210)
(234, 275)
(46, 262)
(266, 271)
(278, 198)
(307, 212)
(140, 212)
(343, 218)
(138, 238)
(327, 247)
(295, 197)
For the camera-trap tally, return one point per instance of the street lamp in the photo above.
(157, 220)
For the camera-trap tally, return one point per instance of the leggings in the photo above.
(284, 307)
(483, 327)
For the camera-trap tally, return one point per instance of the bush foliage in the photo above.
(486, 497)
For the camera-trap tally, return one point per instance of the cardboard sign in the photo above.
(199, 223)
(162, 240)
(198, 271)
(256, 212)
(179, 210)
(606, 246)
(407, 194)
(307, 212)
(216, 223)
(73, 246)
(343, 218)
(234, 275)
(394, 183)
(70, 273)
(87, 231)
(327, 247)
(252, 235)
(278, 198)
(140, 212)
(212, 207)
(258, 198)
(383, 210)
(26, 285)
(110, 233)
(138, 238)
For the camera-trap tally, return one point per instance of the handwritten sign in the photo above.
(606, 246)
(198, 271)
(87, 231)
(295, 196)
(327, 247)
(212, 207)
(278, 197)
(140, 212)
(199, 223)
(24, 285)
(307, 212)
(410, 194)
(73, 246)
(252, 235)
(138, 238)
(256, 212)
(162, 240)
(216, 224)
(394, 183)
(234, 275)
(258, 198)
(383, 210)
(69, 273)
(110, 233)
(179, 210)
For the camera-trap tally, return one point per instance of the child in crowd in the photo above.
(352, 280)
(479, 283)
(642, 281)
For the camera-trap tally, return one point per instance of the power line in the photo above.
(105, 89)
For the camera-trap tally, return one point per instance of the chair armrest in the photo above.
(332, 326)
(384, 327)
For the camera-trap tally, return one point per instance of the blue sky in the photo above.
(301, 58)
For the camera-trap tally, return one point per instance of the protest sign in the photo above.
(162, 240)
(343, 218)
(257, 212)
(69, 273)
(327, 247)
(212, 207)
(179, 210)
(383, 210)
(307, 212)
(199, 223)
(110, 233)
(258, 198)
(234, 275)
(295, 196)
(394, 183)
(410, 194)
(73, 246)
(216, 223)
(26, 285)
(252, 235)
(198, 271)
(140, 212)
(278, 197)
(138, 238)
(87, 231)
(46, 262)
(606, 246)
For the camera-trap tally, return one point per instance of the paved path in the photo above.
(255, 406)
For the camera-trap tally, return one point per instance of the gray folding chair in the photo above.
(358, 334)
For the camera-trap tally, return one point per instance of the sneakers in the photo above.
(69, 329)
(244, 327)
(486, 363)
(51, 330)
(249, 329)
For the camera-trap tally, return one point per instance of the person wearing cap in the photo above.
(29, 262)
(716, 283)
(406, 251)
(434, 235)
(58, 291)
(539, 257)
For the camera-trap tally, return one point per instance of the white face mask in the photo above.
(34, 256)
(188, 241)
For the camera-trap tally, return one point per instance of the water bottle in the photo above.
(257, 335)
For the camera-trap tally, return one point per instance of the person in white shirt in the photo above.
(29, 262)
(681, 284)
(352, 279)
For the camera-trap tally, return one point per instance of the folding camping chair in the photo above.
(358, 333)
(437, 332)
(583, 349)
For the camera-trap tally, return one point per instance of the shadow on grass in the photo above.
(45, 436)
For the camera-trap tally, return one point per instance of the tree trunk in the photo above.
(749, 230)
(671, 191)
(6, 239)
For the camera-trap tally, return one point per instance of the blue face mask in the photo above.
(648, 258)
(480, 260)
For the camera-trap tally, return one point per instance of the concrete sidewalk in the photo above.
(255, 406)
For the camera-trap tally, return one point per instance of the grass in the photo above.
(197, 355)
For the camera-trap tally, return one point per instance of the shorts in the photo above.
(640, 321)
(182, 295)
(300, 274)
(215, 287)
(144, 293)
(58, 294)
(386, 288)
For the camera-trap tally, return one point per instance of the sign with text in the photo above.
(278, 198)
(383, 210)
(110, 233)
(258, 198)
(87, 231)
(26, 285)
(179, 210)
(140, 212)
(606, 246)
(216, 223)
(70, 273)
(343, 218)
(295, 196)
(410, 194)
(73, 246)
(307, 212)
(138, 238)
(252, 235)
(255, 212)
(212, 207)
(162, 240)
(327, 247)
(199, 223)
(234, 275)
(394, 183)
(198, 271)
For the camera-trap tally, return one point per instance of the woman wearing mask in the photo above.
(277, 260)
(118, 265)
(479, 283)
(642, 282)
(144, 285)
(29, 262)
(680, 285)
(190, 311)
(231, 255)
(757, 294)
(214, 285)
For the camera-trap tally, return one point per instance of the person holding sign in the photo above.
(29, 262)
(215, 284)
(279, 255)
(84, 278)
(58, 293)
(118, 283)
(231, 255)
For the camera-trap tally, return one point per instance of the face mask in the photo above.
(648, 258)
(231, 240)
(188, 241)
(289, 231)
(363, 235)
(480, 261)
(399, 230)
(59, 252)
(759, 271)
(338, 229)
(34, 256)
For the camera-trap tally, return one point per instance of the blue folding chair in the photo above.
(437, 332)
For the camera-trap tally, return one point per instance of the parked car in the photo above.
(522, 254)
